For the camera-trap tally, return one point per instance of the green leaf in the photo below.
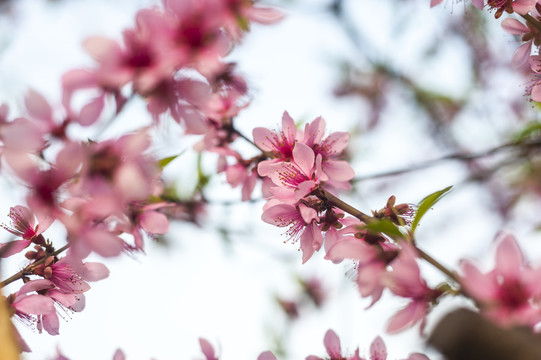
(383, 226)
(165, 161)
(426, 204)
(529, 130)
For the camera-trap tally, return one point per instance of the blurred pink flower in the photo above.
(405, 280)
(509, 294)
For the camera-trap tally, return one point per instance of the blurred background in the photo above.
(418, 89)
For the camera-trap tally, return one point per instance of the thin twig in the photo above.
(456, 156)
(532, 21)
(28, 269)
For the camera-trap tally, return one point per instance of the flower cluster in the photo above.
(301, 162)
(62, 281)
(108, 194)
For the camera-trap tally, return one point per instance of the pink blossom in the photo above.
(508, 294)
(139, 60)
(302, 222)
(529, 34)
(23, 225)
(294, 179)
(280, 144)
(118, 168)
(522, 7)
(333, 171)
(332, 345)
(45, 184)
(291, 146)
(238, 14)
(184, 98)
(69, 274)
(405, 280)
(30, 308)
(192, 34)
(145, 219)
(369, 267)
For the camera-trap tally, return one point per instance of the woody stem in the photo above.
(28, 269)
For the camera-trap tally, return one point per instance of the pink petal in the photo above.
(248, 186)
(288, 127)
(308, 214)
(279, 215)
(44, 222)
(36, 285)
(154, 222)
(309, 240)
(264, 15)
(94, 271)
(13, 247)
(407, 317)
(51, 323)
(435, 2)
(335, 143)
(35, 304)
(481, 286)
(131, 181)
(522, 54)
(235, 174)
(18, 129)
(369, 280)
(522, 7)
(405, 279)
(514, 27)
(91, 111)
(536, 93)
(304, 189)
(207, 349)
(480, 4)
(267, 355)
(304, 157)
(80, 303)
(37, 106)
(119, 355)
(74, 80)
(68, 300)
(314, 131)
(338, 170)
(378, 351)
(509, 258)
(351, 248)
(262, 138)
(103, 242)
(101, 48)
(332, 344)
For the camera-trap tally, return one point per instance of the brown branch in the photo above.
(28, 269)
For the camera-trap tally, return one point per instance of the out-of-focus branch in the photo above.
(455, 156)
(466, 335)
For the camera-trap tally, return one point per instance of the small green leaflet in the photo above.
(531, 129)
(383, 226)
(426, 204)
(165, 161)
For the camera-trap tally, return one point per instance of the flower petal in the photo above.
(332, 344)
